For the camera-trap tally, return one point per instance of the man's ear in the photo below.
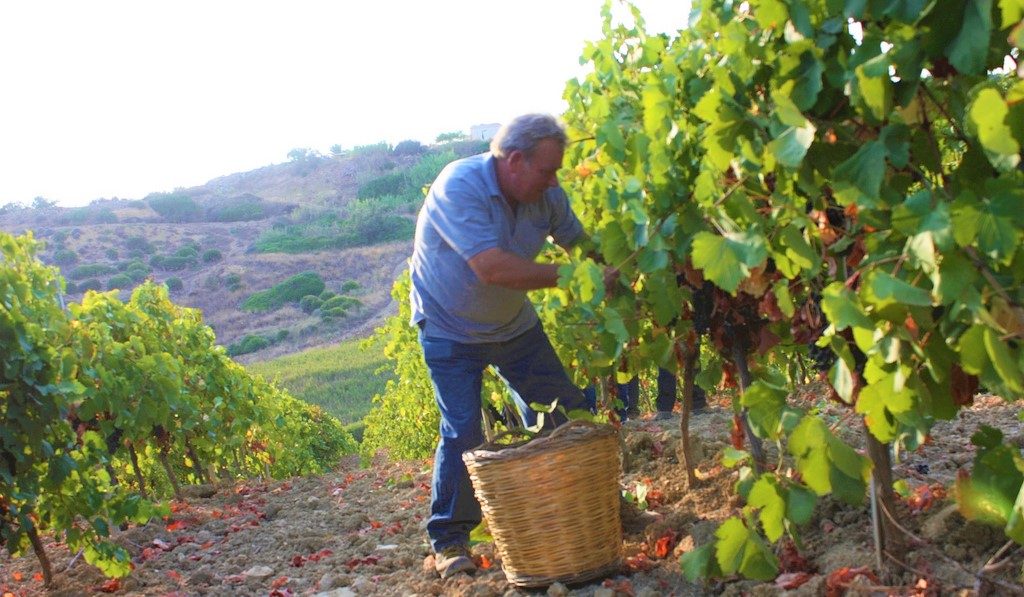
(516, 159)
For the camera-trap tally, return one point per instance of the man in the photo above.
(484, 221)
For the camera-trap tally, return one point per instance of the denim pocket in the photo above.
(435, 348)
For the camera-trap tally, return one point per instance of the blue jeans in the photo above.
(529, 366)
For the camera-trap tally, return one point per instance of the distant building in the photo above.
(484, 132)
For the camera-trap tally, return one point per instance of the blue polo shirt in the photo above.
(463, 215)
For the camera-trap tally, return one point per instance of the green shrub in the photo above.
(90, 271)
(237, 209)
(172, 263)
(59, 237)
(345, 302)
(120, 281)
(187, 251)
(335, 313)
(139, 244)
(250, 343)
(86, 215)
(280, 336)
(212, 255)
(233, 282)
(290, 291)
(174, 207)
(409, 147)
(65, 257)
(174, 283)
(138, 271)
(367, 222)
(350, 285)
(90, 284)
(310, 303)
(328, 295)
(212, 282)
(111, 253)
(389, 184)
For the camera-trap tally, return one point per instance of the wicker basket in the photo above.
(552, 504)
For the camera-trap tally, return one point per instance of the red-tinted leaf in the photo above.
(177, 525)
(484, 562)
(38, 576)
(17, 576)
(640, 562)
(736, 433)
(279, 582)
(665, 543)
(174, 575)
(620, 587)
(655, 498)
(110, 585)
(298, 561)
(839, 580)
(792, 580)
(281, 593)
(376, 524)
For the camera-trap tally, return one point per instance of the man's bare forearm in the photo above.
(498, 267)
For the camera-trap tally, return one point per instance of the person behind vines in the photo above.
(484, 221)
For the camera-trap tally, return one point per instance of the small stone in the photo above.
(362, 585)
(342, 592)
(259, 572)
(557, 590)
(604, 592)
(327, 582)
(387, 547)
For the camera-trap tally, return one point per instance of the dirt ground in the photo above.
(360, 531)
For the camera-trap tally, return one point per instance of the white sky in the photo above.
(123, 98)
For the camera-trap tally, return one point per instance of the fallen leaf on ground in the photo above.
(791, 580)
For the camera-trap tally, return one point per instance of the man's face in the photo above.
(535, 174)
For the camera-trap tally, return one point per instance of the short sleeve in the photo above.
(460, 211)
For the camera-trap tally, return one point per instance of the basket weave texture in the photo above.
(552, 504)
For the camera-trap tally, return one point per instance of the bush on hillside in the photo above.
(345, 302)
(392, 183)
(174, 207)
(328, 295)
(409, 147)
(65, 257)
(233, 282)
(173, 263)
(90, 284)
(111, 253)
(237, 209)
(175, 283)
(310, 303)
(140, 244)
(91, 270)
(79, 216)
(120, 281)
(350, 285)
(212, 256)
(335, 313)
(249, 344)
(290, 291)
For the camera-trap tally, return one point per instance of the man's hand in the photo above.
(499, 267)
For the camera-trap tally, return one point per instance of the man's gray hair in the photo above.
(525, 132)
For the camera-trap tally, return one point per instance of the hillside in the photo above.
(346, 219)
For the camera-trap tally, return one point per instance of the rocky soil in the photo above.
(360, 531)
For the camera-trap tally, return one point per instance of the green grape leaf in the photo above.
(700, 563)
(765, 404)
(842, 308)
(990, 493)
(988, 114)
(826, 463)
(875, 88)
(791, 146)
(766, 496)
(883, 289)
(800, 504)
(865, 169)
(741, 550)
(968, 51)
(727, 260)
(1008, 367)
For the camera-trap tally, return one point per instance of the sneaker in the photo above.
(663, 415)
(453, 559)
